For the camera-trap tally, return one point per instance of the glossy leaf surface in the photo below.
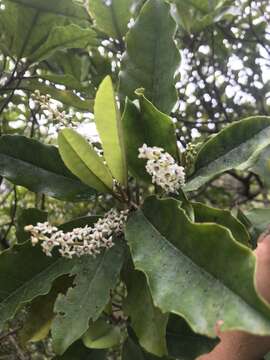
(235, 147)
(81, 158)
(109, 126)
(95, 277)
(39, 168)
(151, 64)
(170, 249)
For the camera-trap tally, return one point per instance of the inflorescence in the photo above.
(89, 240)
(51, 110)
(165, 172)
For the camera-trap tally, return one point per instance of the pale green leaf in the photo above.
(81, 158)
(109, 126)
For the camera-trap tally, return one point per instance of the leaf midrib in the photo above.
(69, 15)
(63, 44)
(28, 282)
(85, 164)
(202, 270)
(227, 153)
(40, 168)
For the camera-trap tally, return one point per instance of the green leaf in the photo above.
(259, 218)
(78, 351)
(147, 321)
(39, 168)
(25, 273)
(183, 343)
(39, 316)
(81, 158)
(131, 351)
(195, 15)
(235, 147)
(109, 126)
(185, 204)
(101, 335)
(65, 8)
(207, 214)
(34, 22)
(78, 222)
(27, 217)
(64, 37)
(95, 277)
(262, 166)
(67, 97)
(150, 126)
(204, 291)
(151, 63)
(113, 17)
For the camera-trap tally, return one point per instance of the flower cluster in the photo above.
(50, 110)
(165, 172)
(89, 240)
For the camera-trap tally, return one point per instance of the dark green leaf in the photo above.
(20, 283)
(64, 37)
(147, 321)
(146, 125)
(101, 335)
(67, 97)
(39, 168)
(151, 58)
(131, 351)
(78, 351)
(207, 214)
(212, 274)
(235, 147)
(95, 277)
(27, 217)
(183, 343)
(64, 8)
(262, 166)
(112, 17)
(34, 21)
(78, 222)
(39, 316)
(259, 218)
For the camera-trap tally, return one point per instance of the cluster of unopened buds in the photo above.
(89, 240)
(165, 172)
(190, 154)
(50, 110)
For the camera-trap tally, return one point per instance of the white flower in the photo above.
(80, 241)
(165, 172)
